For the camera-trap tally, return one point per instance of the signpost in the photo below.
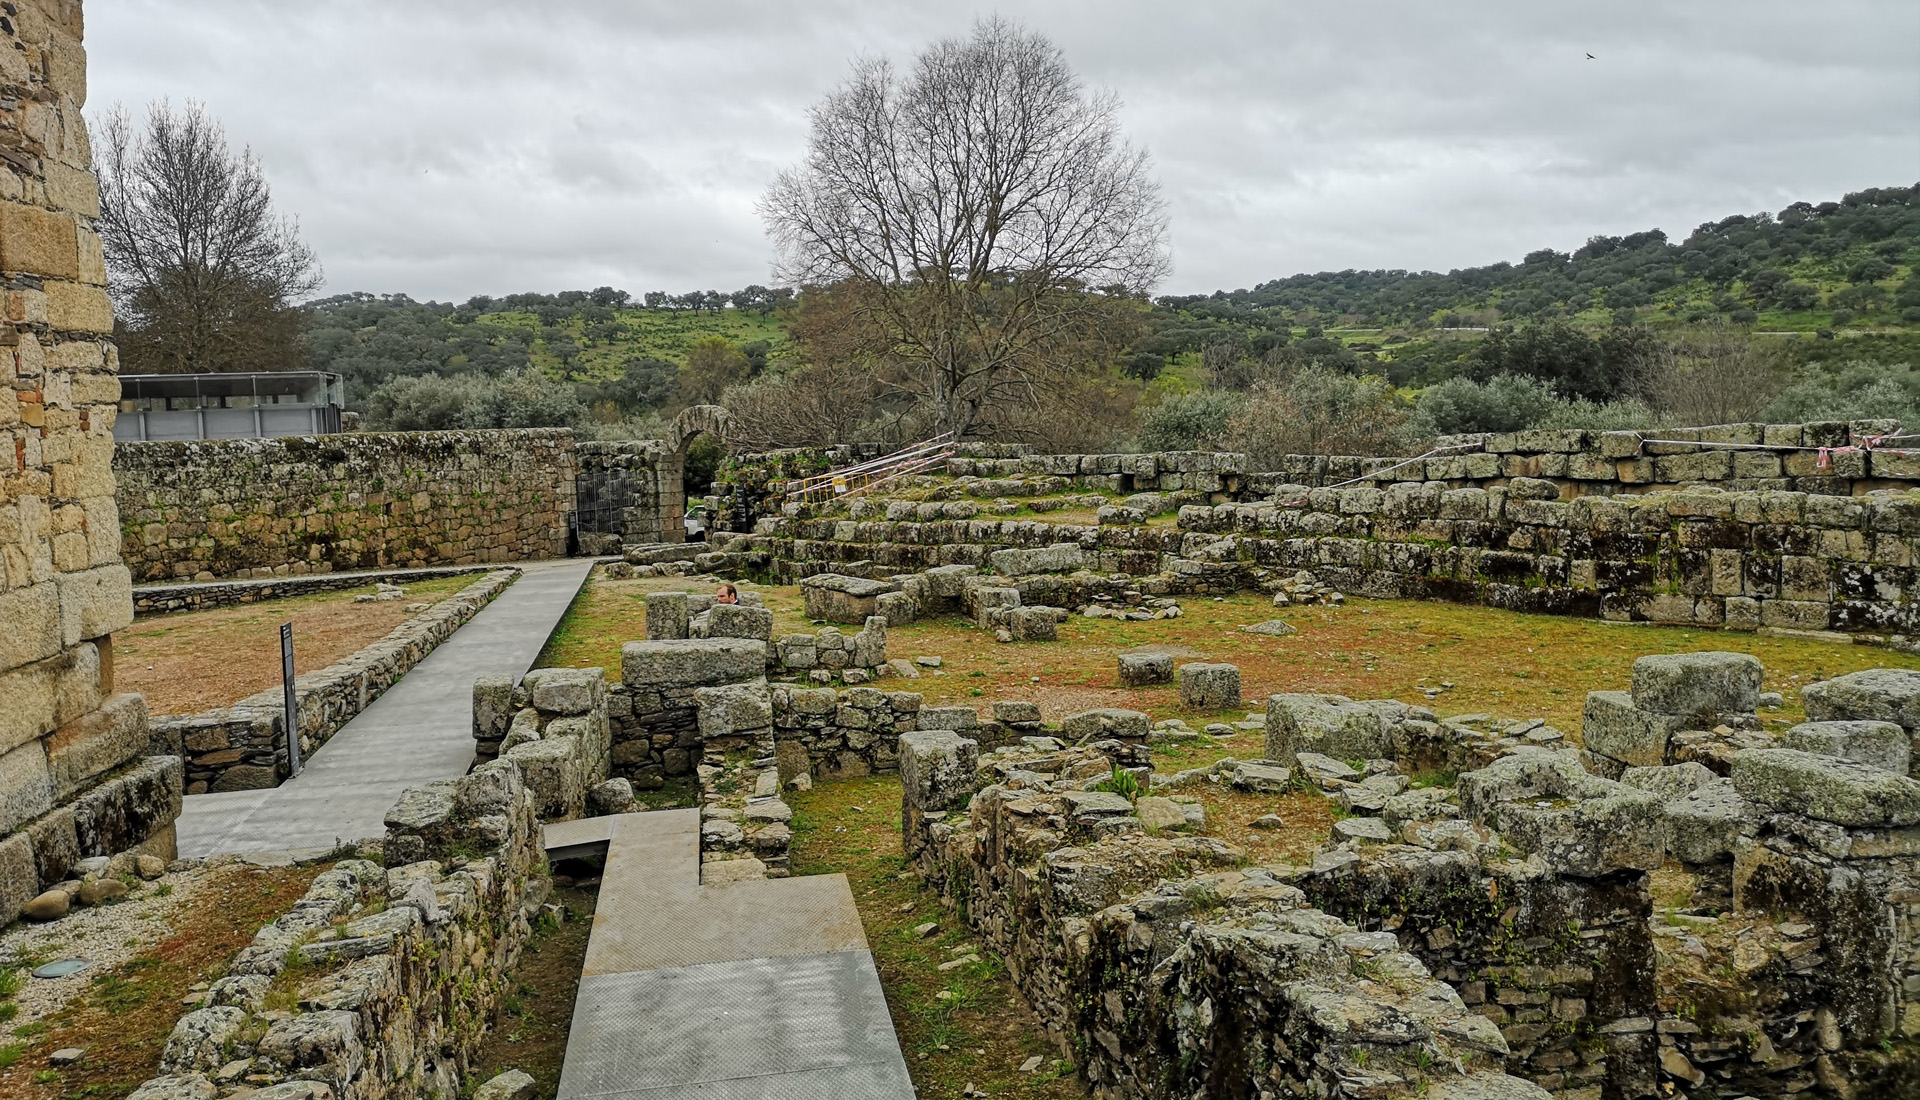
(293, 708)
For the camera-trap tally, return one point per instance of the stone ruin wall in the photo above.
(1743, 559)
(73, 782)
(1514, 921)
(202, 509)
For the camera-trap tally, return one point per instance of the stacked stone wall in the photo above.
(72, 781)
(1742, 560)
(629, 493)
(1162, 966)
(259, 507)
(395, 973)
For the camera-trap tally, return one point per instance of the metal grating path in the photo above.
(752, 990)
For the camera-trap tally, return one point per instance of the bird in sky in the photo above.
(1590, 57)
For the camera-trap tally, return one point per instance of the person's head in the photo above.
(726, 594)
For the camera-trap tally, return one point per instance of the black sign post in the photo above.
(293, 708)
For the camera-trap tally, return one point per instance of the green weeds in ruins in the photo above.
(965, 1025)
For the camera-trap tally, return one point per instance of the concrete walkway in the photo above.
(421, 729)
(754, 990)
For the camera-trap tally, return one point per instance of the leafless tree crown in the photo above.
(976, 201)
(202, 271)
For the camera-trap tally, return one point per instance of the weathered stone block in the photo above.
(129, 807)
(1015, 712)
(566, 690)
(691, 662)
(1613, 727)
(1697, 685)
(836, 598)
(26, 786)
(1061, 557)
(1104, 723)
(936, 775)
(1827, 788)
(492, 706)
(1877, 694)
(1882, 745)
(19, 878)
(739, 621)
(735, 709)
(94, 602)
(1206, 686)
(666, 616)
(29, 623)
(948, 718)
(1580, 824)
(1333, 725)
(96, 743)
(1141, 669)
(1705, 824)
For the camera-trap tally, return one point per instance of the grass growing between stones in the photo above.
(1501, 662)
(982, 1032)
(123, 1020)
(608, 613)
(191, 661)
(535, 1016)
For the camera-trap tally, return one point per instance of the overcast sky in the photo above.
(447, 148)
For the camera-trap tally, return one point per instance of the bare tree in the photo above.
(984, 210)
(1721, 377)
(203, 272)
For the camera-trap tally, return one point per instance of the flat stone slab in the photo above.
(861, 587)
(724, 988)
(798, 1027)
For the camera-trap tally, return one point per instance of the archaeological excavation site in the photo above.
(519, 764)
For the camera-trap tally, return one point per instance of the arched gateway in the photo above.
(693, 422)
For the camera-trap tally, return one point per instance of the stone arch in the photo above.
(694, 421)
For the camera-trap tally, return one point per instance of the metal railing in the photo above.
(856, 479)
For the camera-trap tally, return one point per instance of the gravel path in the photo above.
(106, 935)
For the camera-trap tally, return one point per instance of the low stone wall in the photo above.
(221, 508)
(1165, 969)
(394, 973)
(160, 599)
(243, 747)
(1664, 931)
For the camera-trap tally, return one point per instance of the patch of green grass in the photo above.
(980, 1032)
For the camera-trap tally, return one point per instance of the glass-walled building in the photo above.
(228, 406)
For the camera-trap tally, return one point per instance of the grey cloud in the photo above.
(448, 148)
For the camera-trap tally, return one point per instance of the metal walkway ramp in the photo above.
(752, 990)
(421, 729)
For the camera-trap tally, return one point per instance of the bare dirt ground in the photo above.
(192, 661)
(148, 951)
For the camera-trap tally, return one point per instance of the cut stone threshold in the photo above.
(755, 988)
